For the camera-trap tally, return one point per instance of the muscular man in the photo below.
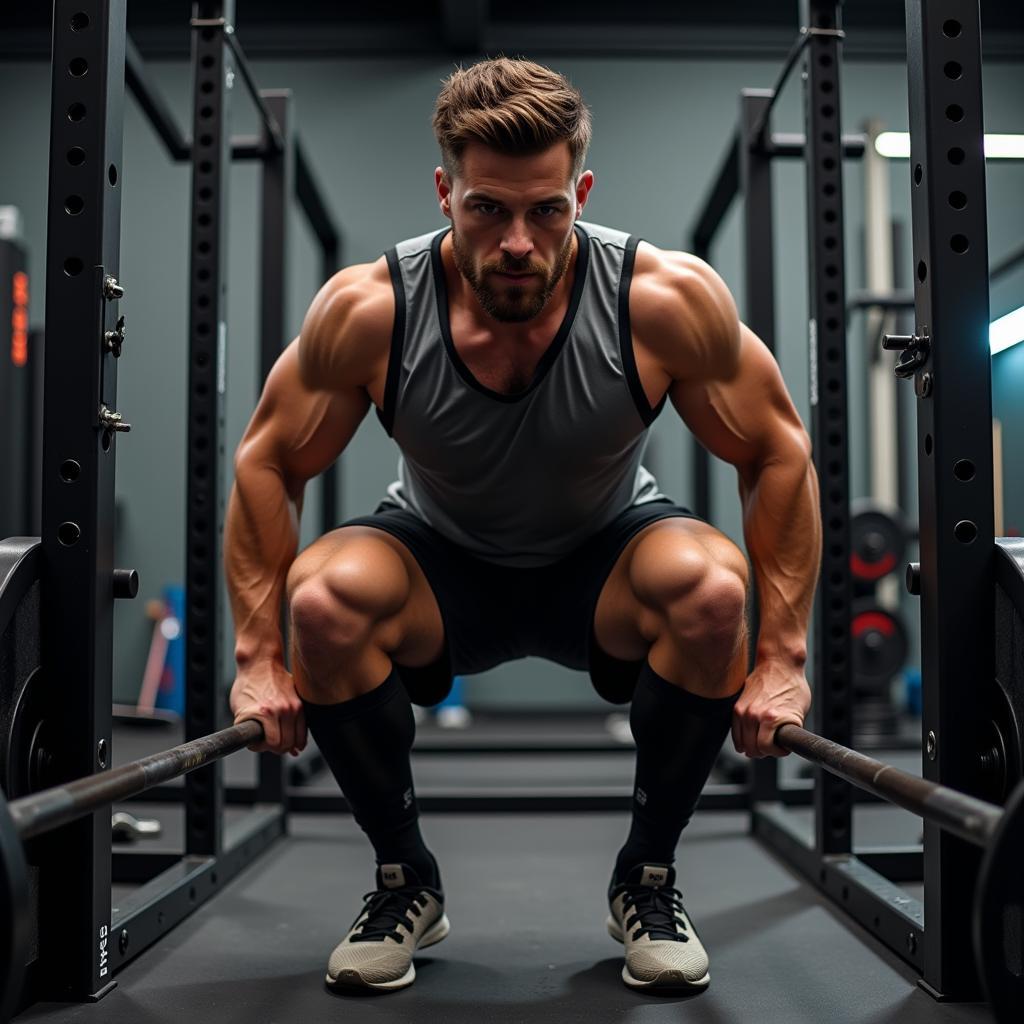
(518, 357)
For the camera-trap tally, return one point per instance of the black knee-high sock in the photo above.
(678, 736)
(366, 742)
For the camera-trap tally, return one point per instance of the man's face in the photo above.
(512, 220)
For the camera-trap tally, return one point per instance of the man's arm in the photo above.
(727, 387)
(314, 400)
(749, 421)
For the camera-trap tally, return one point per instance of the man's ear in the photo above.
(444, 191)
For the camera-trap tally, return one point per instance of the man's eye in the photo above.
(487, 209)
(548, 211)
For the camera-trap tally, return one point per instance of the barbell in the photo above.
(998, 905)
(998, 918)
(32, 815)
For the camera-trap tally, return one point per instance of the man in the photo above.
(518, 359)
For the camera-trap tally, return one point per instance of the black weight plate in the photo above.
(20, 703)
(879, 641)
(877, 544)
(999, 915)
(15, 914)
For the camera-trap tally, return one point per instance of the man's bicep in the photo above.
(746, 418)
(297, 430)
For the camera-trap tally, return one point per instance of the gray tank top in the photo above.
(519, 479)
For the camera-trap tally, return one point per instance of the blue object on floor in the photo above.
(454, 698)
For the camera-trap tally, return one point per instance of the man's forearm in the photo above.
(261, 537)
(782, 526)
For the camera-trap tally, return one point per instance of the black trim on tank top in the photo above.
(629, 367)
(387, 414)
(556, 346)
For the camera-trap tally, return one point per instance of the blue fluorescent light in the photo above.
(1007, 331)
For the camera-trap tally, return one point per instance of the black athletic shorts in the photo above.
(494, 613)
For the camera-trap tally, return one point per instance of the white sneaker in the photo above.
(399, 918)
(649, 919)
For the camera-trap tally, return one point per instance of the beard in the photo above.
(511, 304)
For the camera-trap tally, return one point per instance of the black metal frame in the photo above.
(954, 457)
(300, 182)
(77, 955)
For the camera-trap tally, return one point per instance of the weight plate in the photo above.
(999, 915)
(879, 641)
(877, 543)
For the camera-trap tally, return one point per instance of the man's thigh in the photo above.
(627, 618)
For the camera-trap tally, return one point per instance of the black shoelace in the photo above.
(657, 910)
(386, 909)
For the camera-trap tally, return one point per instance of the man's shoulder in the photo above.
(682, 309)
(347, 329)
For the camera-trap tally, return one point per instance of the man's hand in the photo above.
(775, 693)
(266, 692)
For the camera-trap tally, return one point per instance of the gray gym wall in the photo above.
(660, 129)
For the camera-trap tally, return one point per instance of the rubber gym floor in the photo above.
(526, 898)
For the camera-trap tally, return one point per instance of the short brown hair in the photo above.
(514, 106)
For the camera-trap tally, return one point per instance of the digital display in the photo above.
(19, 319)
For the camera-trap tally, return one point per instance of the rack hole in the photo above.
(951, 28)
(922, 270)
(206, 112)
(959, 244)
(74, 205)
(828, 189)
(205, 194)
(105, 440)
(953, 70)
(927, 444)
(78, 68)
(831, 270)
(70, 471)
(963, 469)
(205, 166)
(206, 87)
(918, 174)
(957, 200)
(207, 61)
(76, 112)
(76, 156)
(826, 86)
(825, 60)
(205, 220)
(955, 113)
(827, 110)
(203, 248)
(965, 531)
(112, 174)
(68, 534)
(72, 266)
(79, 22)
(955, 155)
(828, 163)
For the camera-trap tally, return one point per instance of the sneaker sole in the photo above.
(351, 978)
(668, 979)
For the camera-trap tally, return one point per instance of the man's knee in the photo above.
(699, 592)
(336, 606)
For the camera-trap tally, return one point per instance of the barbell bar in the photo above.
(999, 901)
(41, 812)
(998, 917)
